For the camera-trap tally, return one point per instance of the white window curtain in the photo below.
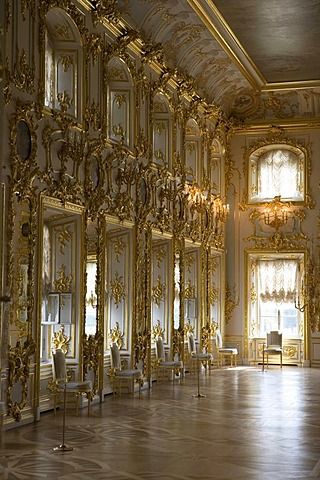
(278, 280)
(279, 174)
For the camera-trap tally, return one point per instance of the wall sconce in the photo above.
(202, 200)
(277, 213)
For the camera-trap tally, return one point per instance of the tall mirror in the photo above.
(61, 279)
(161, 285)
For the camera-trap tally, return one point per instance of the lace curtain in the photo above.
(278, 280)
(279, 174)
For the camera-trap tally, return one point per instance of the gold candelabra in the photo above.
(277, 213)
(201, 200)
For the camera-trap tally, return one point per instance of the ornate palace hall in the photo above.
(252, 425)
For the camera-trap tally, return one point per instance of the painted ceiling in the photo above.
(257, 59)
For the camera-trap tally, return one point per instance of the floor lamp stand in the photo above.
(198, 395)
(62, 447)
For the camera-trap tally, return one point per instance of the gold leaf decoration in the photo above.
(60, 341)
(158, 292)
(117, 289)
(116, 335)
(63, 283)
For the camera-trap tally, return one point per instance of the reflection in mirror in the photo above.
(119, 284)
(61, 277)
(20, 272)
(192, 288)
(161, 285)
(91, 314)
(91, 297)
(176, 302)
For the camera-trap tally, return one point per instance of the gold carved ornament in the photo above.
(230, 304)
(116, 335)
(63, 283)
(207, 334)
(213, 295)
(92, 345)
(19, 372)
(188, 328)
(141, 348)
(64, 237)
(190, 291)
(290, 351)
(158, 292)
(60, 341)
(159, 254)
(117, 289)
(178, 342)
(157, 331)
(118, 248)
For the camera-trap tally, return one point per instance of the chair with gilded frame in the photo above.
(63, 385)
(163, 365)
(273, 347)
(225, 352)
(123, 376)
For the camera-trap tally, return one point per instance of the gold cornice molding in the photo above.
(273, 86)
(290, 125)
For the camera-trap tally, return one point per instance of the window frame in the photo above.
(260, 147)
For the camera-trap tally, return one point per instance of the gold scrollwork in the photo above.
(63, 282)
(91, 355)
(66, 61)
(207, 334)
(188, 328)
(118, 248)
(60, 341)
(157, 330)
(290, 351)
(118, 289)
(116, 335)
(158, 292)
(253, 295)
(64, 100)
(213, 295)
(19, 372)
(141, 348)
(159, 254)
(64, 237)
(190, 291)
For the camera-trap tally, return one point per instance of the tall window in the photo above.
(276, 294)
(276, 172)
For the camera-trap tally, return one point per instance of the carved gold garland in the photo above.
(158, 291)
(207, 334)
(157, 331)
(116, 335)
(19, 370)
(92, 351)
(60, 341)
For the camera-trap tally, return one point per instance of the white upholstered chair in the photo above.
(121, 375)
(225, 352)
(273, 347)
(63, 385)
(163, 365)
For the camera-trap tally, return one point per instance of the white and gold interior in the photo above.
(155, 180)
